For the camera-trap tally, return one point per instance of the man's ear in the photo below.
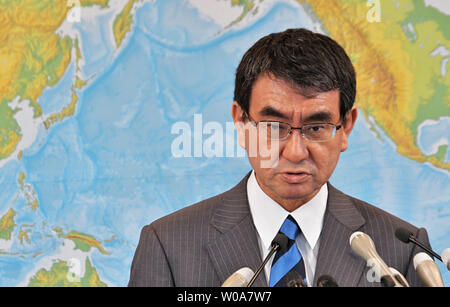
(350, 119)
(238, 117)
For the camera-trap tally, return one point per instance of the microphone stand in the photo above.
(415, 241)
(275, 247)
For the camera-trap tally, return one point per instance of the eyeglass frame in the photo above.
(255, 124)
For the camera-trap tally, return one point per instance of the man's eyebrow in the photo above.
(322, 116)
(270, 111)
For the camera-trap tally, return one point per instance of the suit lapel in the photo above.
(237, 244)
(335, 257)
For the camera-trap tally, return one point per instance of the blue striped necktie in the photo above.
(287, 259)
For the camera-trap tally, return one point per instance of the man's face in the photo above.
(302, 166)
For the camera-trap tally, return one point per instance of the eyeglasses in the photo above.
(277, 131)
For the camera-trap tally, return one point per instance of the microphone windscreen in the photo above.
(362, 245)
(403, 234)
(419, 258)
(427, 270)
(240, 278)
(295, 280)
(326, 281)
(361, 237)
(282, 240)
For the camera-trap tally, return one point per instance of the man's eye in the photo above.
(316, 128)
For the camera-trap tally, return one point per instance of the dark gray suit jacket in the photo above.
(203, 244)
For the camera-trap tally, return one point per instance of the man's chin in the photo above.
(296, 195)
(298, 192)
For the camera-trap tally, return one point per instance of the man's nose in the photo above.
(295, 149)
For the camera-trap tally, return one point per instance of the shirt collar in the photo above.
(268, 215)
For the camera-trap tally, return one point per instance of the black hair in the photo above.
(312, 62)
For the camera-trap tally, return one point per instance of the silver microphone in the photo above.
(240, 278)
(446, 258)
(364, 247)
(427, 270)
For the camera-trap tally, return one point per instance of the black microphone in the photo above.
(326, 281)
(280, 241)
(407, 236)
(295, 280)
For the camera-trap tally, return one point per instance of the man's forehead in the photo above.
(323, 107)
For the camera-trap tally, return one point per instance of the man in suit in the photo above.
(293, 110)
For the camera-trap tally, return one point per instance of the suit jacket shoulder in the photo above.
(199, 245)
(202, 214)
(345, 215)
(371, 213)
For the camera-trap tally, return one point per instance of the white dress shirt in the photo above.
(268, 216)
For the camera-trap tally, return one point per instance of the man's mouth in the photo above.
(295, 176)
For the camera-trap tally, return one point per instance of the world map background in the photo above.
(90, 92)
